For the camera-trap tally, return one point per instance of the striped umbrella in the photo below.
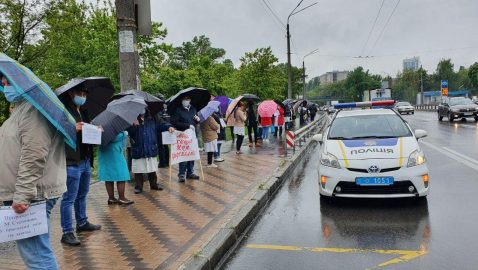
(40, 95)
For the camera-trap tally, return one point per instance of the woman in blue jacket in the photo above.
(144, 150)
(112, 167)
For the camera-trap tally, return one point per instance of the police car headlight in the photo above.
(416, 158)
(329, 160)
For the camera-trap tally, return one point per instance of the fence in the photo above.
(429, 108)
(300, 136)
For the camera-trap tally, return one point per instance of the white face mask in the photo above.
(186, 103)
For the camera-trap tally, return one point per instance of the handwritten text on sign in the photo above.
(20, 226)
(186, 147)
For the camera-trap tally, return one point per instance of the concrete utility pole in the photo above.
(128, 53)
(421, 87)
(303, 78)
(289, 68)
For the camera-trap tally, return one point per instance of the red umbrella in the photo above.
(267, 108)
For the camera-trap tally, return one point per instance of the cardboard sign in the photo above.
(186, 147)
(15, 226)
(168, 137)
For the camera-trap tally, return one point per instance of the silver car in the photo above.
(403, 107)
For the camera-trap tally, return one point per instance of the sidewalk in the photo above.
(163, 228)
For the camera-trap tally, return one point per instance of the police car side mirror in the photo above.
(420, 133)
(318, 138)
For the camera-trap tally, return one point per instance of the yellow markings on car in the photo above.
(404, 255)
(401, 152)
(341, 145)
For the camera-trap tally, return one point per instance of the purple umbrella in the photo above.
(224, 103)
(207, 111)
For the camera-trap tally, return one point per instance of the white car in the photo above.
(371, 153)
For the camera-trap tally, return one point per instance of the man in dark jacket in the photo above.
(163, 149)
(182, 119)
(252, 125)
(313, 112)
(78, 170)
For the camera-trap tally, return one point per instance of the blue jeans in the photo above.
(265, 133)
(218, 153)
(77, 187)
(186, 168)
(36, 251)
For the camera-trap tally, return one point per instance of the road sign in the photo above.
(444, 87)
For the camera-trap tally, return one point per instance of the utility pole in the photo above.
(421, 82)
(289, 67)
(127, 38)
(303, 79)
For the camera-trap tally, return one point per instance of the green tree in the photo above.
(473, 76)
(358, 81)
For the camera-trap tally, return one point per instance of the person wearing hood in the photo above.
(183, 118)
(33, 170)
(79, 163)
(144, 150)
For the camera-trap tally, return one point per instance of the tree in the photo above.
(473, 76)
(358, 81)
(445, 71)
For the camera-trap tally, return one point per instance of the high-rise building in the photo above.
(333, 77)
(412, 64)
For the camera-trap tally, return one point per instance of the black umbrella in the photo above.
(118, 116)
(280, 104)
(250, 97)
(155, 104)
(99, 91)
(288, 101)
(199, 98)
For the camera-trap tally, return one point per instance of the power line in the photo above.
(269, 6)
(385, 26)
(274, 17)
(373, 27)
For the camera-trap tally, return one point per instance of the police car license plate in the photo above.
(374, 181)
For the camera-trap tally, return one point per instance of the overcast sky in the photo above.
(429, 29)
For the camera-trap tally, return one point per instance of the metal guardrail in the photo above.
(301, 135)
(426, 107)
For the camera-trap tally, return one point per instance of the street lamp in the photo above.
(289, 67)
(303, 69)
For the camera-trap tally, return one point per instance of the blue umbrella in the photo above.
(40, 96)
(207, 111)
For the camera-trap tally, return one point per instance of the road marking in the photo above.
(450, 154)
(405, 255)
(461, 155)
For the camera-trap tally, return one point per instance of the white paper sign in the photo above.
(15, 226)
(126, 41)
(90, 134)
(186, 147)
(169, 138)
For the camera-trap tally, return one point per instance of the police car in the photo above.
(371, 153)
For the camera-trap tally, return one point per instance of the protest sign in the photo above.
(15, 226)
(168, 137)
(186, 147)
(90, 134)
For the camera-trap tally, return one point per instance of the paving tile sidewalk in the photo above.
(163, 228)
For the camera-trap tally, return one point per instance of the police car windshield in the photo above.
(368, 126)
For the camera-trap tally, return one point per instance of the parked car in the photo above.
(458, 107)
(403, 107)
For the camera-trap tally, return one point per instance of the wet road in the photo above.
(297, 231)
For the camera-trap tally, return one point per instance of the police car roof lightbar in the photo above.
(365, 104)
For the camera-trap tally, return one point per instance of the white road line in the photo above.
(453, 156)
(461, 155)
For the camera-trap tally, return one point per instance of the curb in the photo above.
(219, 245)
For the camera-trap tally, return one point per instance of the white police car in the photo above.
(371, 153)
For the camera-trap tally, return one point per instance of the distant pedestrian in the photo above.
(279, 122)
(313, 111)
(209, 130)
(33, 169)
(221, 136)
(163, 149)
(112, 167)
(252, 125)
(182, 119)
(239, 125)
(79, 165)
(266, 123)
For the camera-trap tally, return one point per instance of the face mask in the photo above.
(186, 103)
(11, 94)
(79, 101)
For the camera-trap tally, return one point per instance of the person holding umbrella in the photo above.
(240, 118)
(183, 118)
(79, 162)
(34, 165)
(144, 149)
(252, 125)
(221, 134)
(209, 130)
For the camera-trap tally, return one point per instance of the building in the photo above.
(333, 77)
(434, 97)
(377, 94)
(412, 64)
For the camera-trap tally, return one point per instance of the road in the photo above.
(297, 231)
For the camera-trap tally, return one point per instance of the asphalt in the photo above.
(297, 231)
